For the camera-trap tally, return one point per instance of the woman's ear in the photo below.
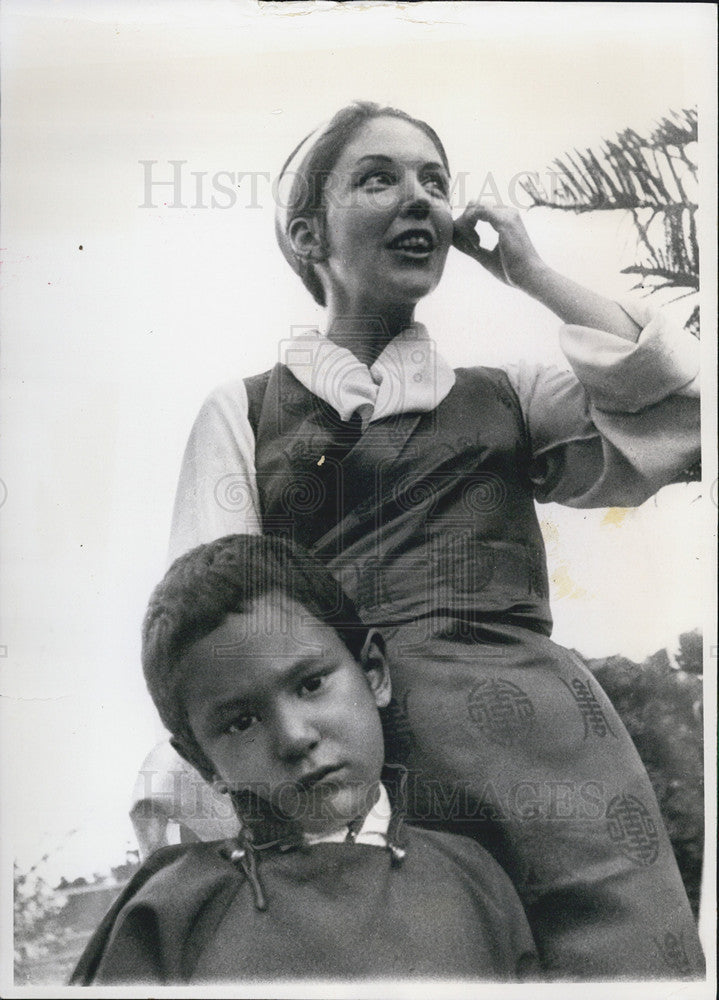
(374, 663)
(306, 240)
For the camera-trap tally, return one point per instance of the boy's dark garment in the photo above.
(334, 911)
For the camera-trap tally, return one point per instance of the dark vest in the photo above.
(422, 514)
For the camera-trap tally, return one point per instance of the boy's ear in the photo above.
(306, 240)
(189, 753)
(374, 663)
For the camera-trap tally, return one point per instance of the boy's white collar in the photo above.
(373, 831)
(409, 376)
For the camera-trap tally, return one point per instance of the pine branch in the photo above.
(673, 279)
(651, 177)
(679, 132)
(621, 176)
(692, 324)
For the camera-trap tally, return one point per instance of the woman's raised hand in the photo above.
(514, 260)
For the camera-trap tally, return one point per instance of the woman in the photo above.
(416, 485)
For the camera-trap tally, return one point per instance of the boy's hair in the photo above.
(223, 577)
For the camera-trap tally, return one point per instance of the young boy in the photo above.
(271, 686)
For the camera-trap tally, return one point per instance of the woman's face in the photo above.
(388, 225)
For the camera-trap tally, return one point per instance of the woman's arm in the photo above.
(516, 262)
(625, 421)
(217, 489)
(586, 456)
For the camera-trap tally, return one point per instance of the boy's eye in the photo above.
(312, 684)
(241, 723)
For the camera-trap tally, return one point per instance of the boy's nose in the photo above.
(295, 734)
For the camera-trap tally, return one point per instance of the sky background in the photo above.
(119, 319)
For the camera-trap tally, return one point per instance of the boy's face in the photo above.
(281, 707)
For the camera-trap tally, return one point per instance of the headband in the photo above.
(293, 168)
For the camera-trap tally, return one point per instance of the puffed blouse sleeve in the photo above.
(623, 423)
(217, 489)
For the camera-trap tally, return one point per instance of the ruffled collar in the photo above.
(409, 376)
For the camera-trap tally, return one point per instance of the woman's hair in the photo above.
(307, 195)
(223, 577)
